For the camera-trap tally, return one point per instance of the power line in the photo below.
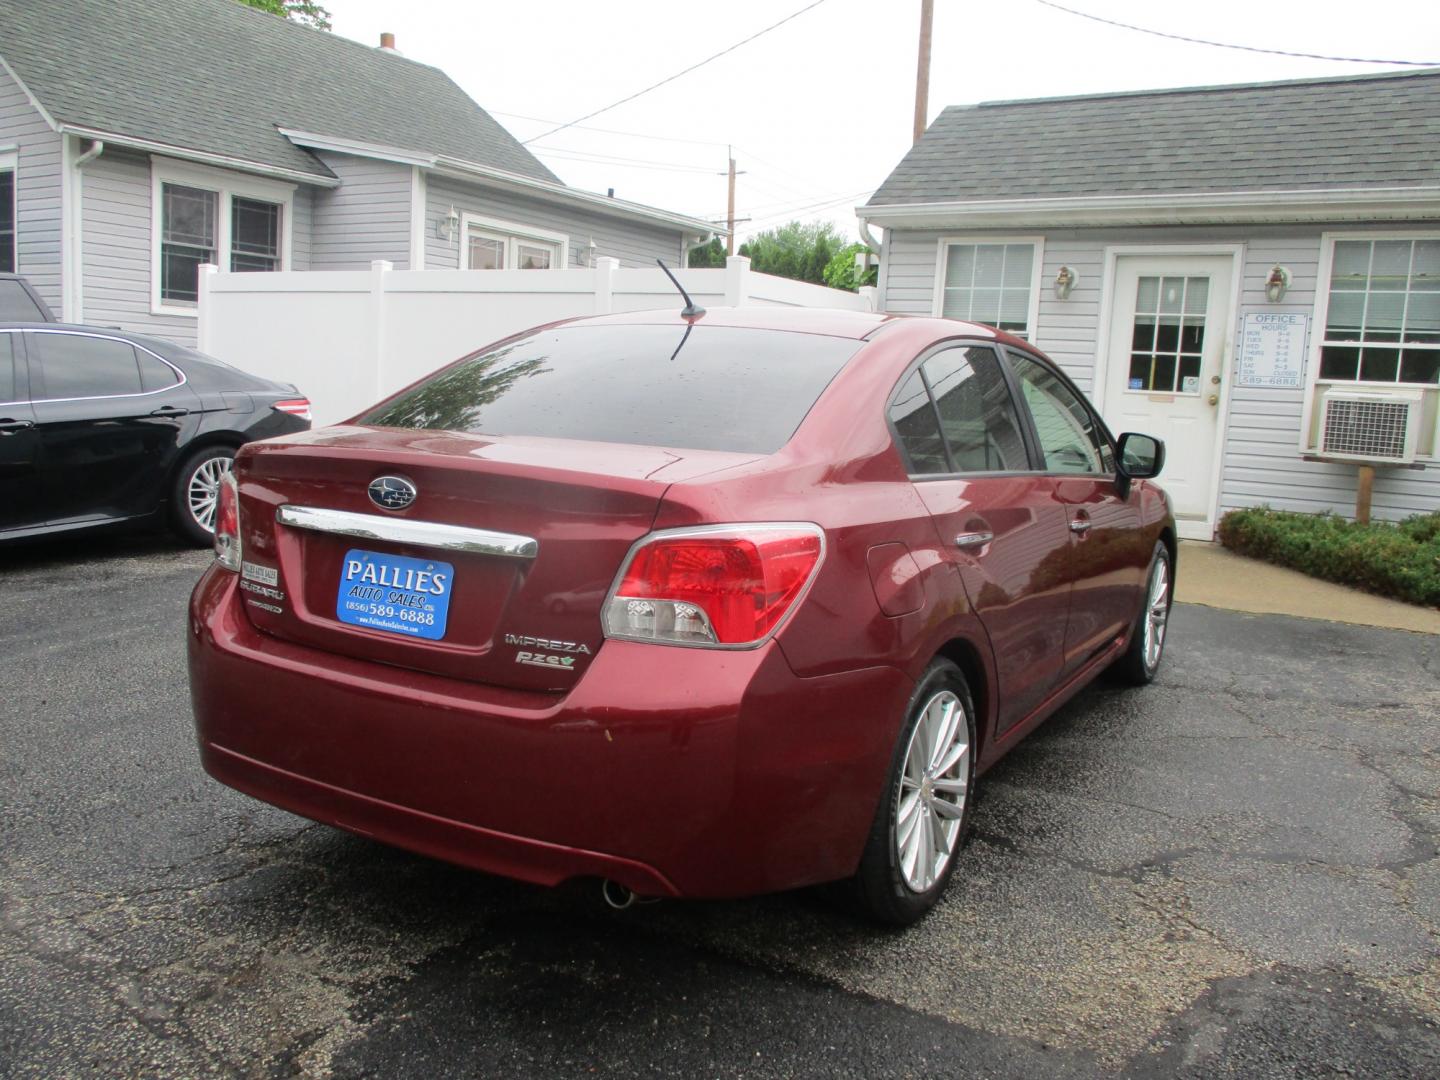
(1228, 45)
(672, 78)
(608, 131)
(570, 154)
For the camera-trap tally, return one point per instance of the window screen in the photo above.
(1070, 439)
(990, 284)
(1382, 318)
(254, 235)
(74, 366)
(187, 240)
(698, 387)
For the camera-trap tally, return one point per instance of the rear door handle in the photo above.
(1080, 525)
(170, 410)
(974, 539)
(10, 427)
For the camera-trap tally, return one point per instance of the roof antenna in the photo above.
(691, 310)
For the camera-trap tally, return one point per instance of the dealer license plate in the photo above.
(395, 593)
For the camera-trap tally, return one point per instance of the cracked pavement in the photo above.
(1230, 873)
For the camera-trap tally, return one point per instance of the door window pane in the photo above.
(1383, 294)
(254, 235)
(76, 366)
(977, 415)
(187, 239)
(1169, 334)
(16, 305)
(1069, 437)
(154, 374)
(7, 221)
(919, 432)
(990, 284)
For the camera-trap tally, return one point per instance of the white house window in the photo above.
(254, 235)
(991, 283)
(187, 240)
(202, 215)
(7, 220)
(1382, 314)
(496, 245)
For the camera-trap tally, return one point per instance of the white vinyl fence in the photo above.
(348, 338)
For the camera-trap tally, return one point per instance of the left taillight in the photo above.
(294, 406)
(227, 522)
(724, 586)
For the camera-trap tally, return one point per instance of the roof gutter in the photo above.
(461, 169)
(201, 156)
(1200, 208)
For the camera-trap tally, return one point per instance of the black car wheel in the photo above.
(195, 492)
(925, 808)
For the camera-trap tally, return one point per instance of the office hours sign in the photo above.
(1272, 350)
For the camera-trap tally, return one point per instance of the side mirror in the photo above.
(1139, 457)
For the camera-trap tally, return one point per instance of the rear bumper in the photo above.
(676, 772)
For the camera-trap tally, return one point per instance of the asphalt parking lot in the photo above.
(1232, 873)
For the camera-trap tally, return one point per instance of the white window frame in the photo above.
(1032, 316)
(509, 232)
(226, 185)
(1317, 335)
(10, 162)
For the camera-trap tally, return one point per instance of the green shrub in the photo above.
(1401, 560)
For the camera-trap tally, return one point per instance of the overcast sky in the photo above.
(820, 110)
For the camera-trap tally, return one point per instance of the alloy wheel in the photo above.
(1157, 613)
(933, 787)
(203, 490)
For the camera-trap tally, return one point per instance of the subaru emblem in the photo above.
(392, 493)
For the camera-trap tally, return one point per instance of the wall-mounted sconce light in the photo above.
(590, 250)
(448, 226)
(1276, 283)
(1065, 281)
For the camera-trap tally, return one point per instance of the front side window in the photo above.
(1382, 314)
(1070, 438)
(7, 221)
(989, 283)
(79, 366)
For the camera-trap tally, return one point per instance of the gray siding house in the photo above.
(1250, 272)
(139, 140)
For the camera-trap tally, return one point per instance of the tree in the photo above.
(799, 250)
(842, 273)
(304, 12)
(707, 256)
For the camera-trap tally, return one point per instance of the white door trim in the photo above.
(1197, 531)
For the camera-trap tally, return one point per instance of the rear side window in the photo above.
(16, 305)
(954, 414)
(701, 388)
(78, 366)
(154, 374)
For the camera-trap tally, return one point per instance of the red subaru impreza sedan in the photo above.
(699, 606)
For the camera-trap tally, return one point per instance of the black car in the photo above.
(100, 426)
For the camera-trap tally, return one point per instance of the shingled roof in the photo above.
(1365, 131)
(221, 78)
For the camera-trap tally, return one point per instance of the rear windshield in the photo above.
(708, 388)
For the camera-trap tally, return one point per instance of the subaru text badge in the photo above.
(392, 493)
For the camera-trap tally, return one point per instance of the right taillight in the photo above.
(227, 522)
(726, 586)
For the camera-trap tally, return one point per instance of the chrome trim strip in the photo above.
(102, 337)
(432, 534)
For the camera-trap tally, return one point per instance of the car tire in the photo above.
(929, 767)
(1141, 660)
(193, 491)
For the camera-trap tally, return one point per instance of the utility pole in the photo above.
(730, 206)
(922, 68)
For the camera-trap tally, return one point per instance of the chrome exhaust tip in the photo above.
(616, 895)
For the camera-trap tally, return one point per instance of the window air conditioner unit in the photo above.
(1376, 426)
